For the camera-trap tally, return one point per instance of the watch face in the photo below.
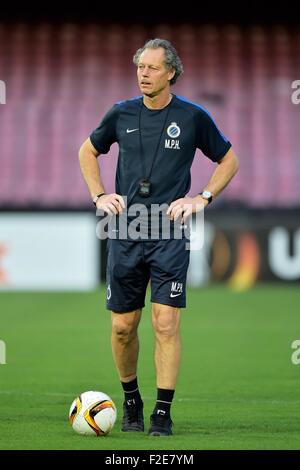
(206, 194)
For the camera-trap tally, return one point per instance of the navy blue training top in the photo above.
(188, 126)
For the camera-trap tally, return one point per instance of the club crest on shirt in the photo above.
(173, 131)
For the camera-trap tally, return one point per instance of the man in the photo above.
(158, 134)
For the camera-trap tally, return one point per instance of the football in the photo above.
(93, 413)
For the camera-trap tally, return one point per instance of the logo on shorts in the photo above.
(176, 289)
(108, 292)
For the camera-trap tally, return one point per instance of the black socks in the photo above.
(131, 392)
(163, 402)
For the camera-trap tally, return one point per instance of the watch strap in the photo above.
(209, 198)
(95, 199)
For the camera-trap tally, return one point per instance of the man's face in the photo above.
(152, 72)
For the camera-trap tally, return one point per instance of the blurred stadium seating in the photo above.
(61, 79)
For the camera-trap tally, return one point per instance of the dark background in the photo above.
(241, 13)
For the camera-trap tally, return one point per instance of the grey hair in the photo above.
(172, 59)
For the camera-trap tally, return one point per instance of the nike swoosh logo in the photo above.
(131, 130)
(175, 295)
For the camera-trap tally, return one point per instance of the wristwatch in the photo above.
(207, 195)
(95, 199)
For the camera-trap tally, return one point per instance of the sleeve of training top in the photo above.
(105, 134)
(209, 139)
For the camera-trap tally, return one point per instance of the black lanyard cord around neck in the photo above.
(143, 162)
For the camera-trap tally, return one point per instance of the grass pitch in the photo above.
(237, 388)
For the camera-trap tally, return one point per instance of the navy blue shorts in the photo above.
(132, 264)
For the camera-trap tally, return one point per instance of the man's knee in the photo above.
(166, 320)
(124, 326)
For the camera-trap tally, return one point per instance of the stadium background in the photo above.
(59, 73)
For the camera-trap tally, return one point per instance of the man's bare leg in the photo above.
(125, 343)
(166, 324)
(125, 348)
